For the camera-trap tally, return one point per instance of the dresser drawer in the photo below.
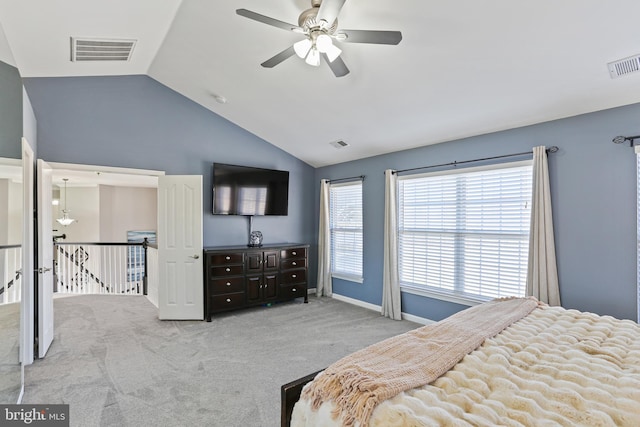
(229, 270)
(293, 276)
(226, 285)
(288, 264)
(226, 259)
(293, 253)
(293, 291)
(228, 301)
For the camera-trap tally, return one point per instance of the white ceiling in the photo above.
(463, 68)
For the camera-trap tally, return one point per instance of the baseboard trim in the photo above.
(417, 319)
(357, 302)
(369, 306)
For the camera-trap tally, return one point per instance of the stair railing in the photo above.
(101, 268)
(10, 273)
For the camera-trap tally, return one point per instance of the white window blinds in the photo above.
(466, 233)
(346, 229)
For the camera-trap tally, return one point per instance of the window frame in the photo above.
(344, 275)
(435, 292)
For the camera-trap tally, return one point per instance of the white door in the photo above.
(180, 287)
(26, 308)
(45, 258)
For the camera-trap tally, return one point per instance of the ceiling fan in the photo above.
(319, 24)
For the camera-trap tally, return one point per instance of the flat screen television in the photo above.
(244, 190)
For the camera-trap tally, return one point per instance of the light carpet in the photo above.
(116, 364)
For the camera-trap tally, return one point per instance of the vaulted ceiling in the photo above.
(463, 67)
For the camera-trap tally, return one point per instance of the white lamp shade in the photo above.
(323, 43)
(65, 220)
(313, 58)
(302, 47)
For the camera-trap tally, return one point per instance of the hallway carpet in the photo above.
(116, 364)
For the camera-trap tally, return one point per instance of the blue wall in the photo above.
(593, 184)
(136, 122)
(10, 111)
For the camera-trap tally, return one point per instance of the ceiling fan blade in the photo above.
(269, 21)
(369, 36)
(338, 66)
(329, 10)
(275, 60)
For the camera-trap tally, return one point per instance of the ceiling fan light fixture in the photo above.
(313, 58)
(302, 48)
(320, 26)
(323, 43)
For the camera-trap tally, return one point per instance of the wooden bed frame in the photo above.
(290, 394)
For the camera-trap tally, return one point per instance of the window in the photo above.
(346, 230)
(463, 235)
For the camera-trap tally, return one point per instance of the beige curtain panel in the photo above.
(542, 273)
(323, 286)
(390, 281)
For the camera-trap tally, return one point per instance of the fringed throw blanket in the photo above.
(360, 381)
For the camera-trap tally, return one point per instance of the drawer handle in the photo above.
(227, 269)
(228, 283)
(228, 299)
(293, 290)
(294, 263)
(228, 258)
(294, 253)
(294, 276)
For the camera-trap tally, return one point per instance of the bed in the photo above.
(510, 362)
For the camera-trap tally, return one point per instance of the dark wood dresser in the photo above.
(240, 276)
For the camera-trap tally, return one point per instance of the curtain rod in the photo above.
(455, 163)
(361, 177)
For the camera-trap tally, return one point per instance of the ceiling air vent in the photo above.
(339, 144)
(624, 66)
(83, 49)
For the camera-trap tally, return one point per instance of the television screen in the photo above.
(243, 190)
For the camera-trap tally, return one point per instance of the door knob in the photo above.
(195, 256)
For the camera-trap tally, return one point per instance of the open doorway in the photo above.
(176, 261)
(86, 217)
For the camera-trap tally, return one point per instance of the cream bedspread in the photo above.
(554, 367)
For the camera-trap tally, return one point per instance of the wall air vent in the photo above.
(339, 144)
(624, 66)
(84, 49)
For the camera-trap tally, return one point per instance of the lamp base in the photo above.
(255, 239)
